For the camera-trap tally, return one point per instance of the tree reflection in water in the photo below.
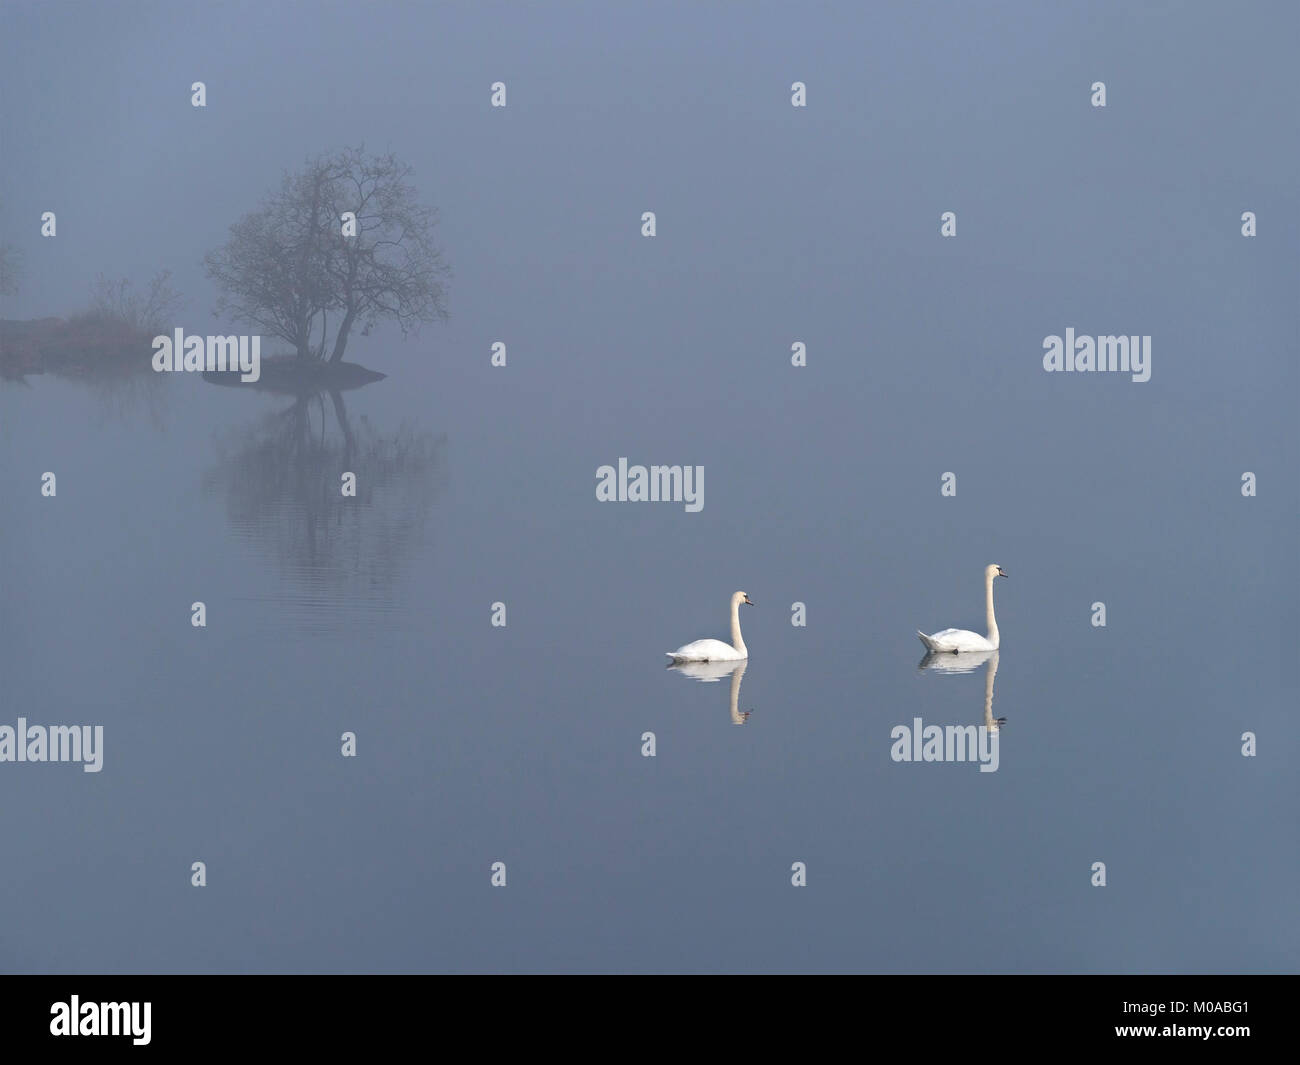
(282, 486)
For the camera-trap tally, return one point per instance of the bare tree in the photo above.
(116, 299)
(293, 268)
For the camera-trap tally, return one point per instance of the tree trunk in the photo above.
(341, 341)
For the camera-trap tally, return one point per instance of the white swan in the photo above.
(957, 640)
(716, 650)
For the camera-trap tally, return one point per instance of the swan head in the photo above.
(993, 571)
(741, 597)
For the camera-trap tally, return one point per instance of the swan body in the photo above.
(716, 650)
(958, 641)
(706, 651)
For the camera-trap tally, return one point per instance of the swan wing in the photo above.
(704, 651)
(951, 634)
(955, 640)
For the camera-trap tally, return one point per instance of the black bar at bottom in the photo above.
(338, 1014)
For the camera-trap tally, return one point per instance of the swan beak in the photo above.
(749, 601)
(1002, 573)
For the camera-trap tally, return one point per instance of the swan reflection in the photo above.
(947, 662)
(715, 671)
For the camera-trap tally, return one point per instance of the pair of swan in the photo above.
(953, 641)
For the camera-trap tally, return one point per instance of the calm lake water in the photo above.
(522, 744)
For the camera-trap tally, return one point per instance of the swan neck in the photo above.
(737, 641)
(992, 619)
